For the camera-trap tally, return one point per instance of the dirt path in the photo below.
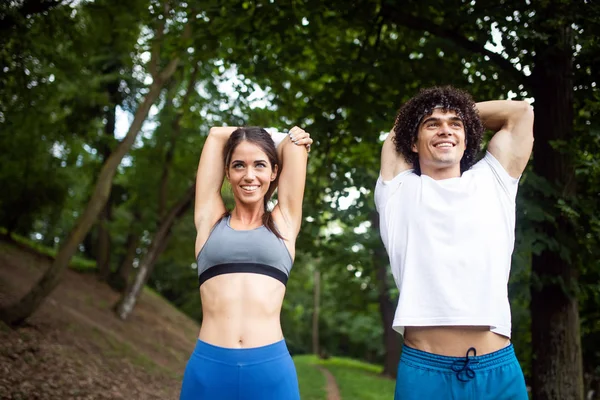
(333, 392)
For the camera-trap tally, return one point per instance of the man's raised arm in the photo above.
(513, 142)
(392, 162)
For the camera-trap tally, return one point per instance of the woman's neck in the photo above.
(248, 216)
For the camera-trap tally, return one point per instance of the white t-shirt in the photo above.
(450, 244)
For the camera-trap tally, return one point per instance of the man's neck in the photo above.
(439, 174)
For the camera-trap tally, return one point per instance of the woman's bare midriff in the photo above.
(454, 341)
(241, 310)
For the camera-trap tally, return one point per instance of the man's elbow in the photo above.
(524, 116)
(525, 110)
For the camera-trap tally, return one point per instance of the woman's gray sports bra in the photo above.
(257, 251)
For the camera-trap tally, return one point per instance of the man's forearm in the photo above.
(499, 114)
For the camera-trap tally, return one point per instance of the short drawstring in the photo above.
(461, 365)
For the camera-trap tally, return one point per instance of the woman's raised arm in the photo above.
(293, 157)
(209, 204)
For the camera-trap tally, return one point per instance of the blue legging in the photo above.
(266, 373)
(494, 376)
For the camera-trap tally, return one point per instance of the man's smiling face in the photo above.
(440, 143)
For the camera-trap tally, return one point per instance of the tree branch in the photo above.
(29, 7)
(160, 31)
(375, 26)
(168, 71)
(190, 89)
(422, 24)
(375, 47)
(175, 131)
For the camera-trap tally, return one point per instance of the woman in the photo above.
(244, 259)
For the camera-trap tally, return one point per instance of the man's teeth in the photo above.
(250, 188)
(444, 145)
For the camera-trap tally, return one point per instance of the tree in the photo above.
(33, 176)
(125, 306)
(114, 29)
(12, 16)
(316, 308)
(17, 313)
(165, 218)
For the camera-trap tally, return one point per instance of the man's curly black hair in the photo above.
(448, 98)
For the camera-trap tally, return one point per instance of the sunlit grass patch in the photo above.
(310, 379)
(113, 348)
(78, 263)
(358, 380)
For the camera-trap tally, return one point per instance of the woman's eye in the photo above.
(262, 165)
(238, 166)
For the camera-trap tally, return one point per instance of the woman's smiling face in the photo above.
(250, 173)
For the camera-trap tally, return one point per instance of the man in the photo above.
(448, 225)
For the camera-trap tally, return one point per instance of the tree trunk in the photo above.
(175, 131)
(18, 312)
(316, 305)
(89, 245)
(120, 278)
(103, 238)
(163, 189)
(125, 305)
(391, 341)
(556, 341)
(103, 243)
(130, 295)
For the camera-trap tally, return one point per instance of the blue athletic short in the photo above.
(266, 373)
(494, 376)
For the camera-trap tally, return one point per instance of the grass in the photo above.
(4, 328)
(356, 380)
(359, 380)
(310, 379)
(78, 263)
(113, 348)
